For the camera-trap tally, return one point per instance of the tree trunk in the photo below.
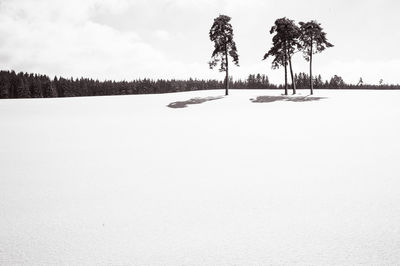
(311, 77)
(286, 85)
(226, 72)
(285, 63)
(291, 74)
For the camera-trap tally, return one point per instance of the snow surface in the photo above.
(229, 181)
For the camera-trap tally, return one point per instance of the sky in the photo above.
(130, 39)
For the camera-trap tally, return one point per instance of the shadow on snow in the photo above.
(184, 104)
(270, 99)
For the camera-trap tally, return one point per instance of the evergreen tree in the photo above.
(35, 87)
(313, 40)
(221, 33)
(336, 82)
(4, 85)
(22, 88)
(360, 82)
(318, 82)
(14, 82)
(284, 44)
(57, 86)
(84, 88)
(49, 91)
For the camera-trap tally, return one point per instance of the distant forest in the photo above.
(24, 85)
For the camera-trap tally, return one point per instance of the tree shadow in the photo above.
(270, 99)
(184, 104)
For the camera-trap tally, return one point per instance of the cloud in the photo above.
(162, 35)
(56, 38)
(126, 39)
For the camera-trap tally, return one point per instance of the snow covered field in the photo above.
(230, 181)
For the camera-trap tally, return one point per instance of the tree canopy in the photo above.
(313, 39)
(221, 33)
(284, 44)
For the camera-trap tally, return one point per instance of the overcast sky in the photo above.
(128, 39)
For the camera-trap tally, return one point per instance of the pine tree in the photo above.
(336, 82)
(22, 90)
(49, 91)
(313, 40)
(284, 44)
(35, 87)
(360, 82)
(221, 33)
(4, 85)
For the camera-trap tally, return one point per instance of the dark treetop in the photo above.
(221, 33)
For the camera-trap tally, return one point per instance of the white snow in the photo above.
(129, 181)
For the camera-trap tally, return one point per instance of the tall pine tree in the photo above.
(221, 33)
(313, 40)
(284, 44)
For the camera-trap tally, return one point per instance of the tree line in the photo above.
(24, 85)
